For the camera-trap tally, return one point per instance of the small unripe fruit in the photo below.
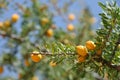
(44, 21)
(14, 17)
(90, 45)
(26, 62)
(71, 17)
(92, 20)
(1, 69)
(99, 52)
(36, 57)
(43, 8)
(81, 59)
(1, 24)
(119, 46)
(70, 27)
(81, 50)
(53, 64)
(7, 23)
(49, 33)
(66, 41)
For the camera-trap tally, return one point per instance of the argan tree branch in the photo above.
(115, 48)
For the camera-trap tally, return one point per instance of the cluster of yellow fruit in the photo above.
(8, 23)
(83, 50)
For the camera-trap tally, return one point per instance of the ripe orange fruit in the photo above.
(1, 69)
(44, 21)
(7, 23)
(49, 33)
(81, 50)
(90, 45)
(70, 27)
(81, 59)
(1, 24)
(71, 17)
(14, 17)
(26, 62)
(36, 57)
(53, 64)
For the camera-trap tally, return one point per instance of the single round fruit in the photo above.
(92, 20)
(49, 33)
(71, 17)
(1, 24)
(36, 57)
(70, 27)
(81, 59)
(81, 50)
(14, 17)
(7, 23)
(90, 45)
(44, 21)
(1, 69)
(53, 64)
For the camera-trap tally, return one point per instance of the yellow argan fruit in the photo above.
(14, 17)
(90, 45)
(71, 17)
(1, 69)
(81, 50)
(81, 59)
(44, 21)
(53, 64)
(36, 57)
(7, 23)
(119, 46)
(66, 41)
(1, 24)
(35, 78)
(92, 20)
(70, 27)
(26, 62)
(49, 33)
(99, 52)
